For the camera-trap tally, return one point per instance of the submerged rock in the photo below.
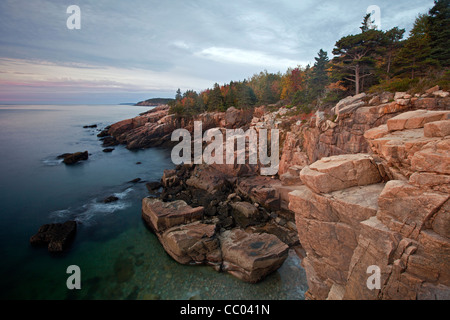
(123, 269)
(72, 158)
(111, 199)
(56, 236)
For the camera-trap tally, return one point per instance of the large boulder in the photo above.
(287, 233)
(353, 101)
(341, 172)
(194, 243)
(56, 236)
(161, 216)
(437, 129)
(415, 119)
(433, 157)
(262, 190)
(207, 178)
(250, 256)
(414, 142)
(245, 213)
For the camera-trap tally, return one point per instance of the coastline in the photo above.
(254, 205)
(112, 243)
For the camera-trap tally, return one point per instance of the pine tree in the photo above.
(391, 44)
(230, 96)
(319, 75)
(355, 54)
(414, 57)
(439, 32)
(215, 100)
(178, 96)
(245, 96)
(365, 26)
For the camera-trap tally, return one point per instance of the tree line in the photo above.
(371, 60)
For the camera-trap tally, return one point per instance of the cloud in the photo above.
(181, 45)
(70, 77)
(162, 45)
(246, 57)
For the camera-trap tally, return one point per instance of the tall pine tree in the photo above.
(319, 75)
(355, 55)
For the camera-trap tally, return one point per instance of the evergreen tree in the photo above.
(391, 44)
(230, 99)
(199, 105)
(245, 96)
(215, 100)
(414, 57)
(178, 95)
(366, 24)
(439, 31)
(355, 56)
(319, 76)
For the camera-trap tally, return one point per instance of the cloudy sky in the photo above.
(128, 51)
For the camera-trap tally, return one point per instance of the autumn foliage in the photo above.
(369, 60)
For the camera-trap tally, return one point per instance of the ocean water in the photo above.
(118, 256)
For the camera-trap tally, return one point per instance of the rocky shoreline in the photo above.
(366, 183)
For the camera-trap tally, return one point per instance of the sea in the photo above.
(118, 256)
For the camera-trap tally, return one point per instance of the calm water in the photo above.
(118, 256)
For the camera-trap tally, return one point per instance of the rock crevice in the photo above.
(396, 218)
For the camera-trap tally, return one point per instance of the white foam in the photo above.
(92, 210)
(52, 162)
(123, 194)
(108, 207)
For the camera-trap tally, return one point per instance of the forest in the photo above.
(371, 61)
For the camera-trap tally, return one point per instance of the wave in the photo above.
(123, 194)
(52, 162)
(88, 213)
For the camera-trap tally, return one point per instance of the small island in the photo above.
(155, 102)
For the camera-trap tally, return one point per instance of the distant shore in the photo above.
(155, 102)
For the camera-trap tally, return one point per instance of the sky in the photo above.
(129, 51)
